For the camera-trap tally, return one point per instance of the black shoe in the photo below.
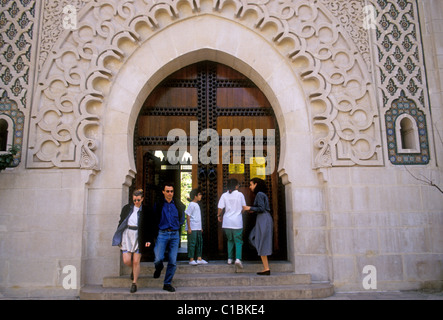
(157, 273)
(264, 273)
(133, 288)
(169, 288)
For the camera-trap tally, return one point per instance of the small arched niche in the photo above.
(6, 133)
(407, 134)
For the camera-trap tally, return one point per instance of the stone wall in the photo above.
(41, 231)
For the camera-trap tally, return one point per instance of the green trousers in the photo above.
(235, 239)
(195, 244)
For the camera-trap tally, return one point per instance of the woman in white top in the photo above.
(133, 234)
(232, 201)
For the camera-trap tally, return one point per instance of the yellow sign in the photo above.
(257, 167)
(235, 168)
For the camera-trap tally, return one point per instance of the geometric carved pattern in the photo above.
(53, 24)
(400, 73)
(16, 33)
(399, 50)
(65, 125)
(351, 15)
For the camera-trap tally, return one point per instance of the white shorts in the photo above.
(130, 241)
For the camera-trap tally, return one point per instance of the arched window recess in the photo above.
(406, 131)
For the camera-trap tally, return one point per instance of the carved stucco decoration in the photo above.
(52, 25)
(66, 126)
(400, 76)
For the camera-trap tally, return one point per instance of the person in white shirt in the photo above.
(232, 201)
(194, 228)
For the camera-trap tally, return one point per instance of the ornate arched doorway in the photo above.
(210, 96)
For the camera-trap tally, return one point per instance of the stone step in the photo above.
(282, 292)
(211, 280)
(216, 267)
(214, 281)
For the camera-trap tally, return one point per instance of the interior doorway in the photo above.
(211, 96)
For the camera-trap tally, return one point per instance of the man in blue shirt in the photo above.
(169, 214)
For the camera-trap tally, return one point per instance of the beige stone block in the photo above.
(366, 219)
(32, 180)
(309, 200)
(105, 202)
(340, 199)
(382, 199)
(365, 241)
(389, 219)
(48, 201)
(402, 240)
(406, 199)
(388, 267)
(343, 269)
(98, 268)
(341, 220)
(316, 265)
(338, 176)
(435, 234)
(432, 199)
(184, 41)
(31, 272)
(423, 267)
(54, 244)
(295, 120)
(413, 219)
(310, 241)
(354, 241)
(372, 176)
(341, 241)
(9, 199)
(311, 220)
(114, 144)
(43, 222)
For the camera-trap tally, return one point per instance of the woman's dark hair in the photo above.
(261, 185)
(138, 192)
(232, 183)
(193, 194)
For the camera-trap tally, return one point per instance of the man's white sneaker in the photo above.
(193, 263)
(202, 261)
(229, 261)
(238, 263)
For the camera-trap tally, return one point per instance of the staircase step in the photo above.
(297, 291)
(214, 281)
(217, 266)
(211, 280)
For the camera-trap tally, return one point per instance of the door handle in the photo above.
(212, 175)
(202, 174)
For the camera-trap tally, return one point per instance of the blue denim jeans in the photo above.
(167, 240)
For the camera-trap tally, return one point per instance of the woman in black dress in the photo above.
(261, 234)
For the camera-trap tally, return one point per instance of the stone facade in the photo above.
(338, 74)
